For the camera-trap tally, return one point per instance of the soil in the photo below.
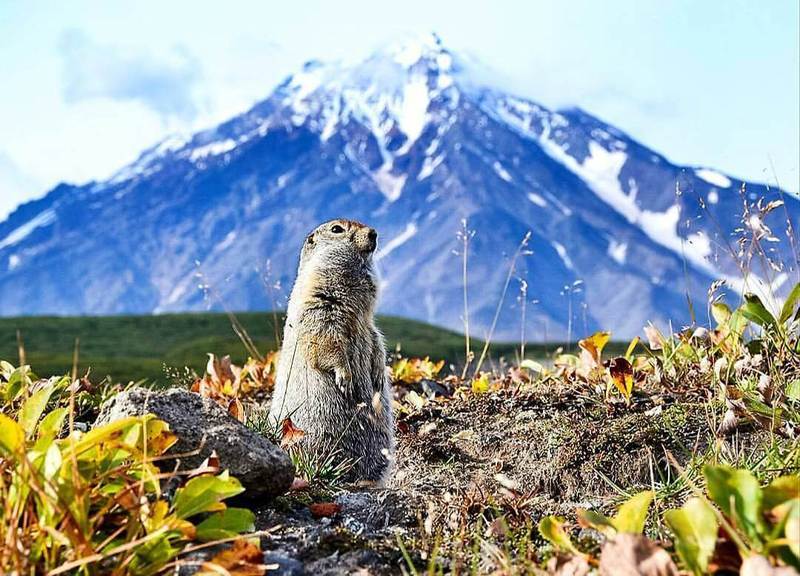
(464, 461)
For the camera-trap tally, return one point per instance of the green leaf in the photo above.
(52, 423)
(790, 304)
(552, 530)
(204, 494)
(631, 516)
(19, 380)
(780, 490)
(695, 528)
(737, 323)
(12, 436)
(739, 496)
(226, 524)
(151, 556)
(52, 461)
(598, 521)
(33, 408)
(793, 390)
(721, 313)
(755, 311)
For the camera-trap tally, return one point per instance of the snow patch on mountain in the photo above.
(713, 177)
(501, 171)
(536, 199)
(618, 251)
(428, 166)
(407, 234)
(148, 160)
(391, 185)
(562, 253)
(601, 169)
(413, 110)
(212, 149)
(40, 221)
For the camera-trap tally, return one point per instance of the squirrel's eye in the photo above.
(336, 229)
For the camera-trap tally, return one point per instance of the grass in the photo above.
(133, 348)
(92, 502)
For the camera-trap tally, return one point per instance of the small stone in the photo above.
(433, 389)
(283, 565)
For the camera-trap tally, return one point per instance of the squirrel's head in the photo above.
(341, 239)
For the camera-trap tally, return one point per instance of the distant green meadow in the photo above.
(134, 348)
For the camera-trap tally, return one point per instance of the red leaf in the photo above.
(324, 509)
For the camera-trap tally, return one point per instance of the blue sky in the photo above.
(88, 85)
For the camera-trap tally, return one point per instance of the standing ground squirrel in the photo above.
(332, 379)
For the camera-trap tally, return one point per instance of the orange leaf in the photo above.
(622, 373)
(290, 433)
(242, 559)
(236, 409)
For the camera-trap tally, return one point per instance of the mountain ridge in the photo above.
(410, 143)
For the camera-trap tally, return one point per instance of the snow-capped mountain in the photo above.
(412, 143)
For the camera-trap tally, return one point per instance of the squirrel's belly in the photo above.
(339, 422)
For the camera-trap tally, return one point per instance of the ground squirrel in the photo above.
(332, 381)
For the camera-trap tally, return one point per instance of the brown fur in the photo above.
(332, 379)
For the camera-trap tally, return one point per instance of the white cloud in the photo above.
(163, 82)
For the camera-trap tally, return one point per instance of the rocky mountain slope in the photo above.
(410, 142)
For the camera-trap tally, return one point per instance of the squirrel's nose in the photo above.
(372, 240)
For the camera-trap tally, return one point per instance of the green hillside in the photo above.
(137, 347)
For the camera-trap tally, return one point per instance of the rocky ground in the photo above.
(469, 468)
(492, 465)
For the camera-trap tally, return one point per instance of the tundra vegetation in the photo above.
(677, 453)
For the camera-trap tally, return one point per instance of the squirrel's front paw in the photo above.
(342, 376)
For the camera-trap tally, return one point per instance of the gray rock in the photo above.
(285, 565)
(263, 469)
(433, 389)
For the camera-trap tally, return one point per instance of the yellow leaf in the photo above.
(412, 370)
(552, 529)
(594, 344)
(12, 436)
(632, 514)
(631, 348)
(480, 385)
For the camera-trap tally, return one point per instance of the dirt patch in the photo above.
(468, 459)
